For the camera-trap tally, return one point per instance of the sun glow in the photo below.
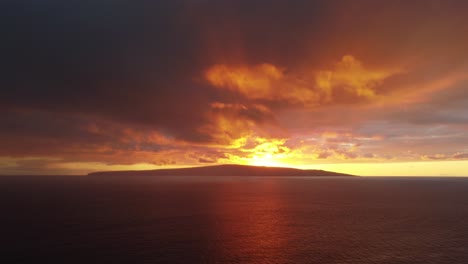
(266, 152)
(267, 160)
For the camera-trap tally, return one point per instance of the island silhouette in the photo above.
(222, 170)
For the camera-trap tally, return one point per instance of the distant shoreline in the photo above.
(224, 170)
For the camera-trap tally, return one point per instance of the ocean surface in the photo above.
(53, 219)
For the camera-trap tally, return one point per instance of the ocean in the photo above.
(64, 219)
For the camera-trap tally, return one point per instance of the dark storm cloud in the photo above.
(128, 61)
(134, 61)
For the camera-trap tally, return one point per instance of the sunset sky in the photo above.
(363, 87)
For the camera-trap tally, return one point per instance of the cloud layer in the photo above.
(87, 86)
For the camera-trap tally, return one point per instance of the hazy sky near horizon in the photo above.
(104, 85)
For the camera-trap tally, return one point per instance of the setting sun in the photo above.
(266, 160)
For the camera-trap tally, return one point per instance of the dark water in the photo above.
(233, 220)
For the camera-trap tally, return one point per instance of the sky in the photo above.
(366, 87)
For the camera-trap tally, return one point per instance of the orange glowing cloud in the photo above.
(230, 123)
(348, 80)
(239, 127)
(260, 82)
(255, 82)
(350, 75)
